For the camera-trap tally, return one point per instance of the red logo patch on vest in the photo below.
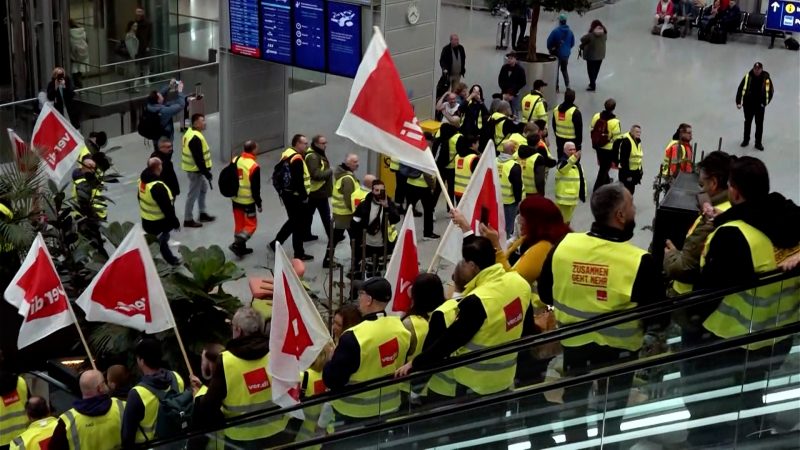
(460, 164)
(514, 314)
(44, 444)
(602, 295)
(319, 387)
(256, 380)
(240, 172)
(527, 104)
(562, 115)
(10, 398)
(389, 351)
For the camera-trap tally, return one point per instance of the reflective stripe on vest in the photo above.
(290, 153)
(394, 165)
(765, 307)
(91, 432)
(249, 388)
(678, 286)
(528, 174)
(612, 127)
(505, 184)
(418, 181)
(533, 107)
(443, 382)
(187, 161)
(673, 161)
(452, 146)
(505, 297)
(562, 122)
(148, 208)
(37, 435)
(339, 206)
(635, 159)
(594, 277)
(384, 346)
(317, 185)
(13, 419)
(99, 207)
(147, 427)
(245, 166)
(568, 184)
(463, 172)
(499, 120)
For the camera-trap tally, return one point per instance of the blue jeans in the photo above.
(163, 245)
(197, 194)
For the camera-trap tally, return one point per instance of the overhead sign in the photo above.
(276, 31)
(783, 15)
(344, 38)
(244, 31)
(309, 34)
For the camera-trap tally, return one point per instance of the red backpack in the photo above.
(600, 134)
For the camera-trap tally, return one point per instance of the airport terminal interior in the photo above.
(676, 388)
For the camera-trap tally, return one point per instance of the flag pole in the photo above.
(80, 334)
(444, 190)
(180, 341)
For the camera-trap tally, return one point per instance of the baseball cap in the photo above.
(562, 18)
(539, 83)
(378, 288)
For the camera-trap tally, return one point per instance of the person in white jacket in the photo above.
(78, 52)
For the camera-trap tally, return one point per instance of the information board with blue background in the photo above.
(312, 34)
(783, 15)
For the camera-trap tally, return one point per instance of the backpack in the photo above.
(409, 172)
(600, 135)
(229, 179)
(282, 175)
(174, 411)
(791, 43)
(150, 125)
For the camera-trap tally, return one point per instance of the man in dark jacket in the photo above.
(164, 152)
(375, 215)
(511, 80)
(295, 199)
(94, 405)
(754, 93)
(321, 185)
(629, 175)
(575, 135)
(156, 208)
(166, 110)
(453, 60)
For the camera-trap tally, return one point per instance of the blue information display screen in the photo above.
(244, 28)
(276, 31)
(309, 34)
(344, 38)
(783, 15)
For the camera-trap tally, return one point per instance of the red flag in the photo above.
(20, 149)
(403, 267)
(482, 195)
(56, 142)
(127, 291)
(379, 115)
(297, 332)
(38, 295)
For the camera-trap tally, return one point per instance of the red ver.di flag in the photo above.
(56, 142)
(297, 332)
(127, 291)
(481, 200)
(403, 267)
(20, 149)
(379, 115)
(38, 295)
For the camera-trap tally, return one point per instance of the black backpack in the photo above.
(228, 180)
(150, 125)
(791, 43)
(282, 175)
(409, 172)
(174, 411)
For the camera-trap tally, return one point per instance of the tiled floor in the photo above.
(657, 83)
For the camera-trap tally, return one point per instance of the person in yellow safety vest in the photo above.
(87, 190)
(196, 162)
(347, 195)
(7, 247)
(570, 182)
(94, 421)
(682, 266)
(374, 348)
(629, 147)
(156, 208)
(534, 106)
(247, 200)
(754, 93)
(321, 189)
(534, 160)
(40, 430)
(567, 123)
(605, 130)
(587, 275)
(510, 174)
(142, 406)
(501, 122)
(422, 188)
(466, 161)
(15, 393)
(295, 198)
(91, 150)
(240, 384)
(516, 138)
(317, 418)
(427, 294)
(378, 215)
(744, 245)
(209, 360)
(678, 154)
(496, 309)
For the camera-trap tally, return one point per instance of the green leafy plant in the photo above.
(20, 193)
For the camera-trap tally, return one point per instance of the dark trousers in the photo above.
(562, 65)
(370, 252)
(751, 112)
(320, 205)
(630, 179)
(605, 158)
(517, 31)
(582, 359)
(163, 246)
(400, 188)
(295, 223)
(593, 68)
(424, 196)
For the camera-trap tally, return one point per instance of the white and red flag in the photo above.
(38, 295)
(297, 332)
(482, 201)
(56, 141)
(379, 115)
(127, 291)
(20, 149)
(403, 267)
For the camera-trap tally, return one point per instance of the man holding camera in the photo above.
(377, 215)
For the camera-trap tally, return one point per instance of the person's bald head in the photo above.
(369, 179)
(92, 384)
(509, 148)
(351, 161)
(155, 165)
(250, 146)
(37, 408)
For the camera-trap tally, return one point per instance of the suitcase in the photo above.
(195, 104)
(503, 34)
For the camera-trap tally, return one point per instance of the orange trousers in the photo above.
(245, 222)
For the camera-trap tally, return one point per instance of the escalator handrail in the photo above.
(50, 380)
(600, 322)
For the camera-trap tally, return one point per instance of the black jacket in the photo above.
(758, 92)
(93, 407)
(346, 359)
(361, 215)
(511, 79)
(196, 147)
(577, 122)
(134, 408)
(297, 187)
(473, 112)
(446, 58)
(62, 97)
(170, 221)
(168, 175)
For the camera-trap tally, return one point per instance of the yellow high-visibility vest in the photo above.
(592, 277)
(679, 286)
(451, 145)
(614, 130)
(148, 208)
(317, 185)
(505, 184)
(528, 174)
(36, 435)
(463, 173)
(245, 165)
(100, 208)
(568, 183)
(187, 161)
(517, 139)
(87, 432)
(340, 208)
(499, 119)
(533, 107)
(635, 159)
(443, 383)
(147, 427)
(13, 418)
(290, 153)
(313, 385)
(562, 123)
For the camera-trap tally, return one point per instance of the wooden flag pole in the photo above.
(80, 334)
(444, 190)
(180, 341)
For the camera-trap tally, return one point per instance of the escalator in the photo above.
(742, 392)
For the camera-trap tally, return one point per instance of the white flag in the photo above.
(379, 115)
(482, 200)
(37, 293)
(127, 291)
(403, 267)
(297, 332)
(20, 149)
(56, 142)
